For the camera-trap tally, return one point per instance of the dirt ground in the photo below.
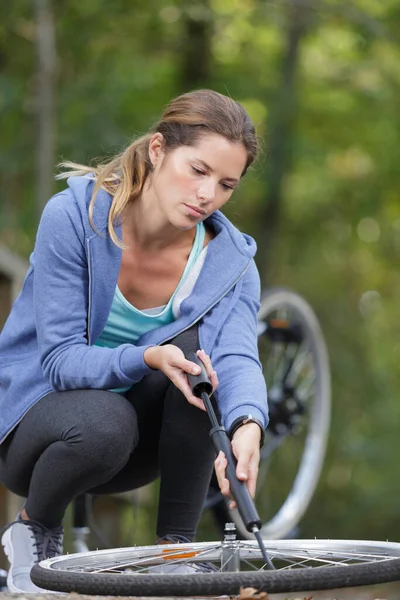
(388, 591)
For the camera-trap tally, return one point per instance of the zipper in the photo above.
(208, 308)
(90, 291)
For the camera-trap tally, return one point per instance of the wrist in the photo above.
(150, 357)
(244, 420)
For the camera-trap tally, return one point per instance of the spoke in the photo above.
(306, 389)
(302, 375)
(253, 566)
(290, 358)
(144, 563)
(300, 357)
(305, 560)
(275, 363)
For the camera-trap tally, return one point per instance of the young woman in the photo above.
(134, 269)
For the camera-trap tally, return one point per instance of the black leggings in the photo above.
(102, 442)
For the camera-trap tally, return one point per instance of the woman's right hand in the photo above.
(172, 362)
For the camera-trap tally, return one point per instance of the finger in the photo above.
(188, 393)
(252, 479)
(198, 402)
(190, 367)
(182, 384)
(224, 486)
(220, 465)
(242, 467)
(206, 361)
(209, 368)
(214, 380)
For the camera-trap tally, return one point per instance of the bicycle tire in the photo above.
(376, 562)
(293, 507)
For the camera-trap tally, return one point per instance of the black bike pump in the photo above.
(202, 388)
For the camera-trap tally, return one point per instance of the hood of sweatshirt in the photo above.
(230, 248)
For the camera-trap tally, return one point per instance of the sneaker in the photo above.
(26, 543)
(179, 565)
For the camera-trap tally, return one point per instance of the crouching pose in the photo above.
(134, 268)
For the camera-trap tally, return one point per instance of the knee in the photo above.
(107, 440)
(111, 446)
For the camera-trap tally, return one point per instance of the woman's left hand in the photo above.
(170, 359)
(246, 449)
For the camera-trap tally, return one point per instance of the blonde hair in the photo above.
(184, 120)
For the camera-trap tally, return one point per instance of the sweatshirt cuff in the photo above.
(132, 363)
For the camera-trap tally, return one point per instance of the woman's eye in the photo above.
(198, 171)
(227, 187)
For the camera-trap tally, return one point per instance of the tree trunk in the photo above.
(46, 78)
(195, 48)
(280, 135)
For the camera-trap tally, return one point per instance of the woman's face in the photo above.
(191, 182)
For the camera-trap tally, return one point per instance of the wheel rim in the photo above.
(286, 555)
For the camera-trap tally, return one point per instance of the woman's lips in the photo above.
(195, 210)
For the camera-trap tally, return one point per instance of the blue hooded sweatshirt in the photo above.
(47, 341)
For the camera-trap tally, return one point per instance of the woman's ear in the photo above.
(156, 149)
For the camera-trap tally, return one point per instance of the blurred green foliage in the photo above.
(330, 120)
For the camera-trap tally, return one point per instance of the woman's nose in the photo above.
(207, 191)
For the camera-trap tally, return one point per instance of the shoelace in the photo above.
(206, 567)
(48, 542)
(202, 567)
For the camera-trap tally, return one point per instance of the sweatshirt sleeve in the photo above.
(242, 388)
(61, 307)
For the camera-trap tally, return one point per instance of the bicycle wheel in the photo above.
(296, 368)
(300, 565)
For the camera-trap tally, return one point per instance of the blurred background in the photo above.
(321, 80)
